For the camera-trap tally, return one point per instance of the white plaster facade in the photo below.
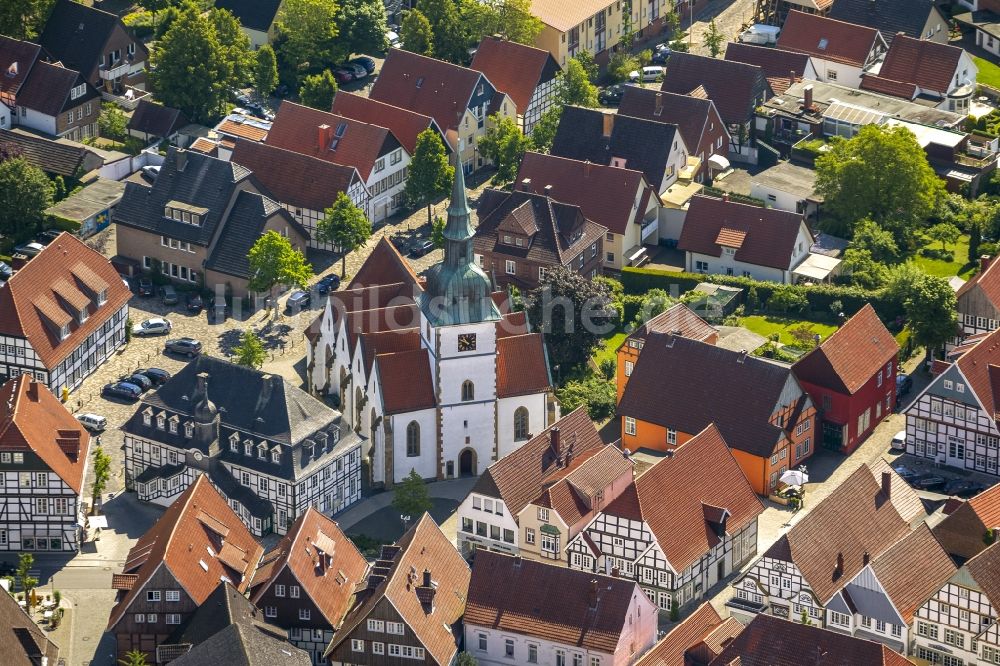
(385, 184)
(727, 264)
(490, 521)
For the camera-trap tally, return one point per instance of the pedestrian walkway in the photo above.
(453, 489)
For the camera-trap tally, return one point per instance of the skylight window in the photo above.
(823, 44)
(420, 82)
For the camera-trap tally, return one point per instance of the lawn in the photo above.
(988, 72)
(766, 325)
(947, 269)
(609, 345)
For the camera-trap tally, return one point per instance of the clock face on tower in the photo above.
(467, 342)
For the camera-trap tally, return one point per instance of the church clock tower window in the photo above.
(467, 342)
(468, 391)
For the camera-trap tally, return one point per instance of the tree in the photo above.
(416, 34)
(465, 659)
(881, 173)
(437, 232)
(102, 473)
(25, 562)
(645, 57)
(803, 335)
(346, 226)
(134, 658)
(544, 131)
(23, 19)
(274, 261)
(25, 193)
(430, 176)
(318, 90)
(589, 64)
(596, 394)
(250, 352)
(944, 233)
(191, 70)
(362, 26)
(504, 145)
(451, 39)
(411, 497)
(864, 270)
(265, 73)
(787, 298)
(236, 48)
(654, 302)
(509, 19)
(573, 312)
(307, 32)
(929, 303)
(112, 122)
(714, 39)
(879, 243)
(621, 65)
(975, 239)
(574, 87)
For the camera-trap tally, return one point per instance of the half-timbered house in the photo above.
(305, 584)
(43, 463)
(803, 574)
(953, 422)
(684, 525)
(965, 531)
(174, 567)
(978, 300)
(272, 456)
(410, 606)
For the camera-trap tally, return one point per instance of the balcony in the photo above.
(129, 101)
(974, 161)
(117, 70)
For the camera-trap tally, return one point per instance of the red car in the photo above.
(343, 75)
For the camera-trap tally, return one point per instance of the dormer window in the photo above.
(102, 297)
(262, 450)
(82, 315)
(12, 70)
(160, 421)
(234, 442)
(276, 455)
(147, 417)
(189, 430)
(729, 251)
(64, 332)
(247, 447)
(173, 424)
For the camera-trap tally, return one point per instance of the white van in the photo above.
(649, 73)
(92, 422)
(761, 34)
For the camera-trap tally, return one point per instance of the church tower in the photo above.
(459, 321)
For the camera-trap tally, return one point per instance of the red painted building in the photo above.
(851, 378)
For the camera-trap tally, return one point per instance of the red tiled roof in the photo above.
(913, 570)
(242, 130)
(778, 65)
(406, 382)
(515, 69)
(522, 367)
(572, 496)
(827, 38)
(207, 146)
(295, 179)
(182, 540)
(385, 265)
(33, 420)
(770, 239)
(32, 295)
(123, 581)
(981, 367)
(315, 540)
(375, 343)
(308, 131)
(671, 650)
(886, 86)
(848, 359)
(403, 123)
(512, 323)
(928, 64)
(987, 506)
(678, 319)
(673, 494)
(558, 604)
(429, 86)
(985, 570)
(605, 194)
(405, 314)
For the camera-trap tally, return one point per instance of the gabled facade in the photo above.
(410, 606)
(679, 387)
(62, 315)
(176, 565)
(940, 73)
(851, 379)
(27, 644)
(841, 52)
(305, 584)
(271, 458)
(525, 73)
(964, 532)
(258, 19)
(532, 612)
(680, 528)
(43, 459)
(782, 68)
(953, 422)
(979, 300)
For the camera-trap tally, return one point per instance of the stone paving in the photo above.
(729, 15)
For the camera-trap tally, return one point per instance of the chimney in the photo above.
(841, 319)
(887, 484)
(725, 196)
(427, 577)
(984, 262)
(592, 594)
(586, 169)
(609, 124)
(425, 592)
(517, 561)
(615, 573)
(182, 159)
(323, 136)
(866, 558)
(554, 441)
(32, 391)
(839, 571)
(791, 78)
(807, 94)
(742, 357)
(548, 190)
(526, 185)
(658, 109)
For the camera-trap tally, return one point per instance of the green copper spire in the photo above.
(458, 291)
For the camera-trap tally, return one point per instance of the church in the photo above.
(438, 374)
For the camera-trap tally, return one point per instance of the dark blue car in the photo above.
(327, 284)
(122, 390)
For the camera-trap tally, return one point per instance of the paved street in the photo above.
(729, 15)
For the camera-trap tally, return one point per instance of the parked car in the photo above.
(359, 70)
(145, 286)
(48, 236)
(150, 172)
(928, 482)
(905, 472)
(962, 488)
(299, 300)
(184, 346)
(5, 271)
(343, 75)
(392, 39)
(168, 295)
(364, 61)
(30, 249)
(328, 283)
(898, 441)
(122, 390)
(421, 247)
(140, 380)
(154, 326)
(92, 422)
(903, 384)
(649, 73)
(194, 302)
(612, 95)
(156, 375)
(259, 111)
(660, 55)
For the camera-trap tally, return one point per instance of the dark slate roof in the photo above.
(644, 144)
(888, 16)
(156, 119)
(686, 385)
(690, 114)
(204, 181)
(244, 225)
(12, 51)
(252, 14)
(24, 642)
(62, 159)
(75, 34)
(47, 90)
(735, 88)
(778, 65)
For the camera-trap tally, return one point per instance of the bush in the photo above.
(608, 368)
(597, 394)
(787, 299)
(937, 253)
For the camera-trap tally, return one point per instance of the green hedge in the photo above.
(820, 296)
